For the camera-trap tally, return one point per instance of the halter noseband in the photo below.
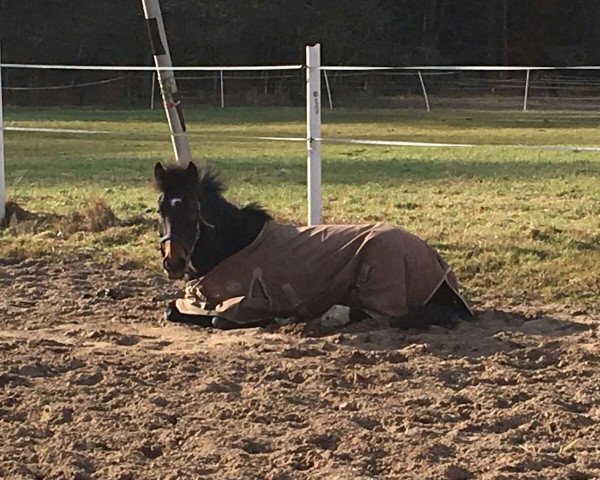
(177, 238)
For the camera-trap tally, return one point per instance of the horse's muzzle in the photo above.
(175, 268)
(175, 257)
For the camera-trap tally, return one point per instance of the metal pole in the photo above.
(152, 91)
(2, 179)
(424, 91)
(328, 89)
(222, 90)
(526, 91)
(313, 132)
(168, 87)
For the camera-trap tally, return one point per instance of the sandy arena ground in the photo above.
(93, 384)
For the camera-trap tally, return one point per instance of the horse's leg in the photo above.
(172, 314)
(224, 324)
(426, 315)
(357, 315)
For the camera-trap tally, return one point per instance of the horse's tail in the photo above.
(445, 308)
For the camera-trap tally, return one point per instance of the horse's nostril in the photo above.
(180, 264)
(174, 265)
(166, 264)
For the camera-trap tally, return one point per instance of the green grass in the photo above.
(518, 225)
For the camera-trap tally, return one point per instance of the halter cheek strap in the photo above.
(173, 236)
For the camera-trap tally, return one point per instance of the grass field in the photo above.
(518, 225)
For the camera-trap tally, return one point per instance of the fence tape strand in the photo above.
(62, 87)
(448, 68)
(148, 68)
(349, 141)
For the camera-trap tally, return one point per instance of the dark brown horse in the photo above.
(200, 230)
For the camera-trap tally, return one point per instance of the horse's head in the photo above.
(180, 217)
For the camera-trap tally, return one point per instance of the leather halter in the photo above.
(173, 236)
(178, 239)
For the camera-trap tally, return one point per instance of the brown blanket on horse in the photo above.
(301, 272)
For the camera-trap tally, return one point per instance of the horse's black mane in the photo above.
(257, 211)
(210, 182)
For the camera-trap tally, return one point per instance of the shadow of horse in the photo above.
(490, 332)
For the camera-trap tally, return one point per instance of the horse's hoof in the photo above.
(224, 324)
(172, 314)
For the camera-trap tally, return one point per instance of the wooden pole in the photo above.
(166, 77)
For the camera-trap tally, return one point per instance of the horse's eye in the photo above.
(165, 207)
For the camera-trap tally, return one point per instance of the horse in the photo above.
(242, 267)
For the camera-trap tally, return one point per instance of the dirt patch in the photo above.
(93, 384)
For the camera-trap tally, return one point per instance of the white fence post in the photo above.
(152, 90)
(2, 179)
(424, 91)
(222, 90)
(526, 91)
(168, 87)
(313, 132)
(328, 89)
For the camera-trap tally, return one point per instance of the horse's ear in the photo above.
(192, 170)
(159, 172)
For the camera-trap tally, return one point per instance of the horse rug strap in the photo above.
(300, 272)
(194, 302)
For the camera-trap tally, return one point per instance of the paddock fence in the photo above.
(575, 89)
(418, 88)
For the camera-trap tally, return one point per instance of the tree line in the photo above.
(275, 32)
(352, 32)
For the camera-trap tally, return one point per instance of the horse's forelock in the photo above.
(176, 181)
